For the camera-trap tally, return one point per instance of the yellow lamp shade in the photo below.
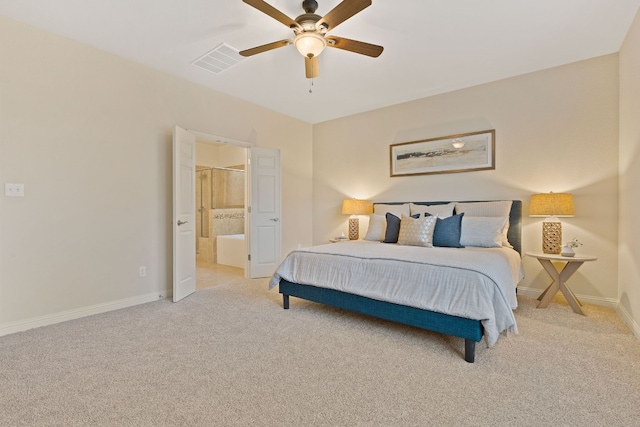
(552, 204)
(357, 207)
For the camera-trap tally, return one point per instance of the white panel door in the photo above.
(184, 213)
(264, 212)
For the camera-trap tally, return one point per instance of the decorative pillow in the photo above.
(377, 228)
(448, 231)
(393, 228)
(482, 231)
(416, 231)
(496, 208)
(397, 210)
(441, 211)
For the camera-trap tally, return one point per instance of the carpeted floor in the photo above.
(231, 356)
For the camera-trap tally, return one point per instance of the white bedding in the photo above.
(475, 283)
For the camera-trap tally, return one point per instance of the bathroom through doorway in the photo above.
(220, 186)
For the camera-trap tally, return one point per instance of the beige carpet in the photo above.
(231, 356)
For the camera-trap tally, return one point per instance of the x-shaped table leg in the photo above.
(559, 284)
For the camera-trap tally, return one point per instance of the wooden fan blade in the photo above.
(273, 12)
(354, 46)
(311, 67)
(265, 47)
(342, 12)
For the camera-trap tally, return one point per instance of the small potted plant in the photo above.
(567, 249)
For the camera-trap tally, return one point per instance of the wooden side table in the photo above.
(560, 277)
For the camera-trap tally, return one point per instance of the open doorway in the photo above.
(220, 187)
(262, 210)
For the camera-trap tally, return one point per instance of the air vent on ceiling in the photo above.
(219, 59)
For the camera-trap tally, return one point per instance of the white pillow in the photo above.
(441, 211)
(417, 232)
(397, 210)
(482, 231)
(377, 228)
(498, 208)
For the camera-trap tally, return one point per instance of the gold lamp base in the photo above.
(354, 229)
(551, 237)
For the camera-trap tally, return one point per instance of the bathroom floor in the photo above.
(209, 275)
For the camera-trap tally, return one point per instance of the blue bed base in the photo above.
(469, 329)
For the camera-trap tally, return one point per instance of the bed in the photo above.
(467, 292)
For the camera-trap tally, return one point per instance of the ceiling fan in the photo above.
(310, 31)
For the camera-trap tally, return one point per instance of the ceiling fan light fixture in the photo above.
(310, 44)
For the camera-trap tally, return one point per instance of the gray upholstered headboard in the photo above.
(515, 218)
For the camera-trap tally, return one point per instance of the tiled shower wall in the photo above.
(217, 189)
(219, 208)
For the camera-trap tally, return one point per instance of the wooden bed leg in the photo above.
(469, 350)
(285, 301)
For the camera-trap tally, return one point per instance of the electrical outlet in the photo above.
(14, 190)
(142, 271)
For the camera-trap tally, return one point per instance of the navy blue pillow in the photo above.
(447, 232)
(393, 228)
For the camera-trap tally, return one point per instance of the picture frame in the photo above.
(465, 152)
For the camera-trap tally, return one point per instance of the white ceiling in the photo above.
(431, 46)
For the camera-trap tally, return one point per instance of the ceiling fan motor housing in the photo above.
(308, 21)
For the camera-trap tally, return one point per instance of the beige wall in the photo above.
(629, 257)
(556, 130)
(89, 135)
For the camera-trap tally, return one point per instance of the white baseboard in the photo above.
(36, 322)
(604, 302)
(626, 317)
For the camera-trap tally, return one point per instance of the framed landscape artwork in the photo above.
(456, 153)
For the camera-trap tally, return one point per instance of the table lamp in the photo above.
(551, 205)
(355, 207)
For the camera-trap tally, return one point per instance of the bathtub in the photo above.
(231, 250)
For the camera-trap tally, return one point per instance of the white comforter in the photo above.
(476, 283)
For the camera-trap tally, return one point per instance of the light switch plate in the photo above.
(14, 190)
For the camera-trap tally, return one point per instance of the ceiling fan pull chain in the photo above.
(311, 86)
